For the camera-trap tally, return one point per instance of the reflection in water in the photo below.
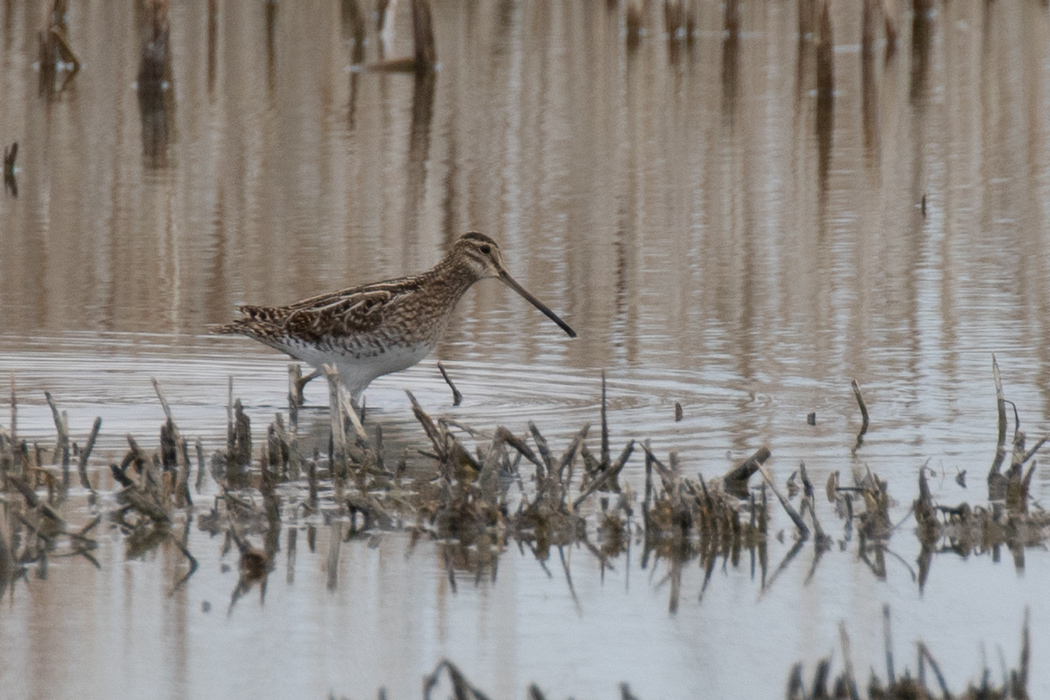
(353, 24)
(869, 91)
(825, 123)
(213, 42)
(423, 89)
(155, 82)
(10, 181)
(730, 61)
(729, 233)
(56, 61)
(271, 44)
(921, 37)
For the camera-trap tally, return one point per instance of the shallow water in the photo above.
(715, 238)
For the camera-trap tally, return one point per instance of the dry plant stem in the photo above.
(609, 474)
(924, 654)
(85, 454)
(605, 429)
(295, 396)
(1000, 402)
(432, 431)
(199, 447)
(32, 500)
(163, 402)
(14, 412)
(803, 530)
(1031, 453)
(335, 404)
(863, 409)
(138, 500)
(520, 445)
(462, 689)
(541, 445)
(62, 443)
(229, 400)
(457, 398)
(570, 455)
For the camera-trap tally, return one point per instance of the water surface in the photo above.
(717, 236)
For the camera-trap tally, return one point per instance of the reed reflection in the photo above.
(156, 95)
(418, 149)
(869, 91)
(825, 98)
(271, 44)
(730, 59)
(353, 25)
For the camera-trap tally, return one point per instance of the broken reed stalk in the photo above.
(457, 398)
(735, 480)
(62, 443)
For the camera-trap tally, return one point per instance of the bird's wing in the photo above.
(339, 315)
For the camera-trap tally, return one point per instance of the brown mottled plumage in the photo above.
(382, 327)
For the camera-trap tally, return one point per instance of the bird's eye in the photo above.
(485, 250)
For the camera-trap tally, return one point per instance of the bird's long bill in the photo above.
(537, 303)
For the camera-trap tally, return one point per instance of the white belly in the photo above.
(355, 372)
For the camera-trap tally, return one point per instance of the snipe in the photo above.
(383, 327)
